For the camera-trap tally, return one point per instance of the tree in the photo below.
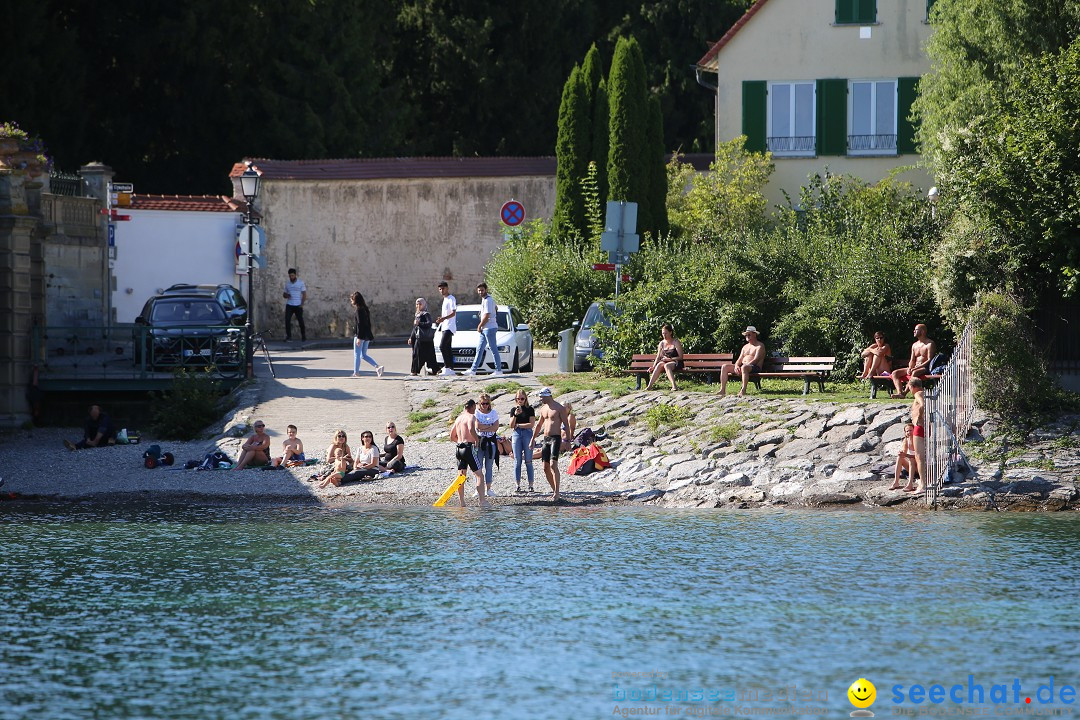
(658, 189)
(627, 169)
(601, 119)
(572, 157)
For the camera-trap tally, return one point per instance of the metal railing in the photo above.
(787, 144)
(69, 184)
(872, 143)
(949, 409)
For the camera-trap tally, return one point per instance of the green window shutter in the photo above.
(929, 6)
(867, 11)
(845, 11)
(753, 114)
(832, 117)
(906, 90)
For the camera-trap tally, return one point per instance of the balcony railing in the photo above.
(65, 215)
(872, 143)
(69, 184)
(797, 144)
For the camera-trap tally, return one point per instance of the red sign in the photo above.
(606, 267)
(114, 214)
(512, 213)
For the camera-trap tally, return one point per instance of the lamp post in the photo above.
(249, 188)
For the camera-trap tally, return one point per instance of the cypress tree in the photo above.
(657, 170)
(572, 158)
(601, 118)
(628, 98)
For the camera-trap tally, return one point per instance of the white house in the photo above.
(823, 83)
(172, 239)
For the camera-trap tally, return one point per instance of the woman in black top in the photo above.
(393, 455)
(363, 336)
(669, 357)
(522, 419)
(422, 339)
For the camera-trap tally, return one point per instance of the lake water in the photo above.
(218, 612)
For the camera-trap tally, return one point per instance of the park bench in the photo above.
(807, 369)
(707, 364)
(884, 382)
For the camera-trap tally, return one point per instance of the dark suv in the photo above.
(231, 299)
(177, 330)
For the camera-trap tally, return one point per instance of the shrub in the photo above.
(666, 415)
(192, 403)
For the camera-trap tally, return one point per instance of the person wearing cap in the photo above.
(669, 357)
(751, 359)
(447, 321)
(256, 449)
(550, 420)
(422, 340)
(464, 433)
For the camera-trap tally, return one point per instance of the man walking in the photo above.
(550, 421)
(488, 329)
(447, 322)
(464, 433)
(295, 294)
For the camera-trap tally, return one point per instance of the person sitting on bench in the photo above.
(669, 357)
(751, 360)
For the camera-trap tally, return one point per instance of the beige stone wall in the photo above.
(790, 40)
(393, 240)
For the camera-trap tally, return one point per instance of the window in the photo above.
(872, 117)
(929, 7)
(856, 12)
(791, 118)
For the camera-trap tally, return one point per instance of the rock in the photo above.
(892, 449)
(733, 480)
(669, 461)
(690, 469)
(679, 484)
(797, 464)
(844, 498)
(772, 437)
(851, 416)
(798, 419)
(853, 461)
(847, 476)
(799, 448)
(811, 430)
(644, 495)
(859, 445)
(767, 451)
(1066, 493)
(787, 490)
(618, 423)
(884, 420)
(893, 432)
(884, 497)
(747, 495)
(842, 433)
(827, 469)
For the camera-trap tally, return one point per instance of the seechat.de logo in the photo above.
(862, 694)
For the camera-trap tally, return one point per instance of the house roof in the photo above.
(708, 62)
(382, 168)
(189, 203)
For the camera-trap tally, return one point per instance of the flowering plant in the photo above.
(10, 130)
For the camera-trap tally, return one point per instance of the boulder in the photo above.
(797, 464)
(884, 420)
(810, 430)
(799, 448)
(669, 461)
(859, 445)
(850, 416)
(644, 495)
(766, 451)
(679, 484)
(771, 437)
(893, 432)
(854, 460)
(847, 476)
(690, 469)
(733, 480)
(786, 491)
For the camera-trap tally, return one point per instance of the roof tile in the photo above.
(383, 168)
(706, 62)
(188, 203)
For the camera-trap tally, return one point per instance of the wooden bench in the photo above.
(884, 382)
(707, 364)
(807, 369)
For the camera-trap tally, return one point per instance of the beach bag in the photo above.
(938, 364)
(586, 460)
(214, 460)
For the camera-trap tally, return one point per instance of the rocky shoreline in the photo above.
(698, 450)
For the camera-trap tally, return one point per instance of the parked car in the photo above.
(586, 347)
(515, 340)
(178, 330)
(231, 299)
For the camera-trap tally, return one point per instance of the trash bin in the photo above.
(566, 350)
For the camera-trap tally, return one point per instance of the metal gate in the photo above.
(949, 409)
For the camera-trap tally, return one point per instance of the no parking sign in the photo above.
(512, 213)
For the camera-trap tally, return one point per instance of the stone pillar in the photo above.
(16, 239)
(97, 177)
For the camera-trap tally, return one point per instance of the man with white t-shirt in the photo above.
(295, 294)
(488, 329)
(447, 322)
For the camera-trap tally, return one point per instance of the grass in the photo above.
(728, 431)
(605, 419)
(668, 415)
(507, 385)
(429, 403)
(420, 420)
(623, 385)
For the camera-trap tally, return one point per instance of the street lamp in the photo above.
(249, 188)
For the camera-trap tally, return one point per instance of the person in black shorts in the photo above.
(550, 420)
(463, 432)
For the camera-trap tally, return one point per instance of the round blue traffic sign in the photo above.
(512, 213)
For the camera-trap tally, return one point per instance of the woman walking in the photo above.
(422, 340)
(363, 336)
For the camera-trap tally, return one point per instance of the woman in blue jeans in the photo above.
(363, 336)
(522, 419)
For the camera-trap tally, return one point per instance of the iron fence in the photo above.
(63, 183)
(948, 411)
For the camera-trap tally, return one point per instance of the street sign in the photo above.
(606, 267)
(112, 235)
(512, 213)
(114, 214)
(621, 216)
(121, 187)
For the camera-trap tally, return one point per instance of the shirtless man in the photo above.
(751, 359)
(918, 431)
(550, 420)
(921, 353)
(464, 433)
(256, 450)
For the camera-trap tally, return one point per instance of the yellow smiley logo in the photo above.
(862, 693)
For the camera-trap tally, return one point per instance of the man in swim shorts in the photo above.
(750, 361)
(550, 420)
(922, 352)
(463, 432)
(918, 431)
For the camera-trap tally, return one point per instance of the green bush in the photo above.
(193, 402)
(1011, 376)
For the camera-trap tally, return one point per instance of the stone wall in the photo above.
(391, 239)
